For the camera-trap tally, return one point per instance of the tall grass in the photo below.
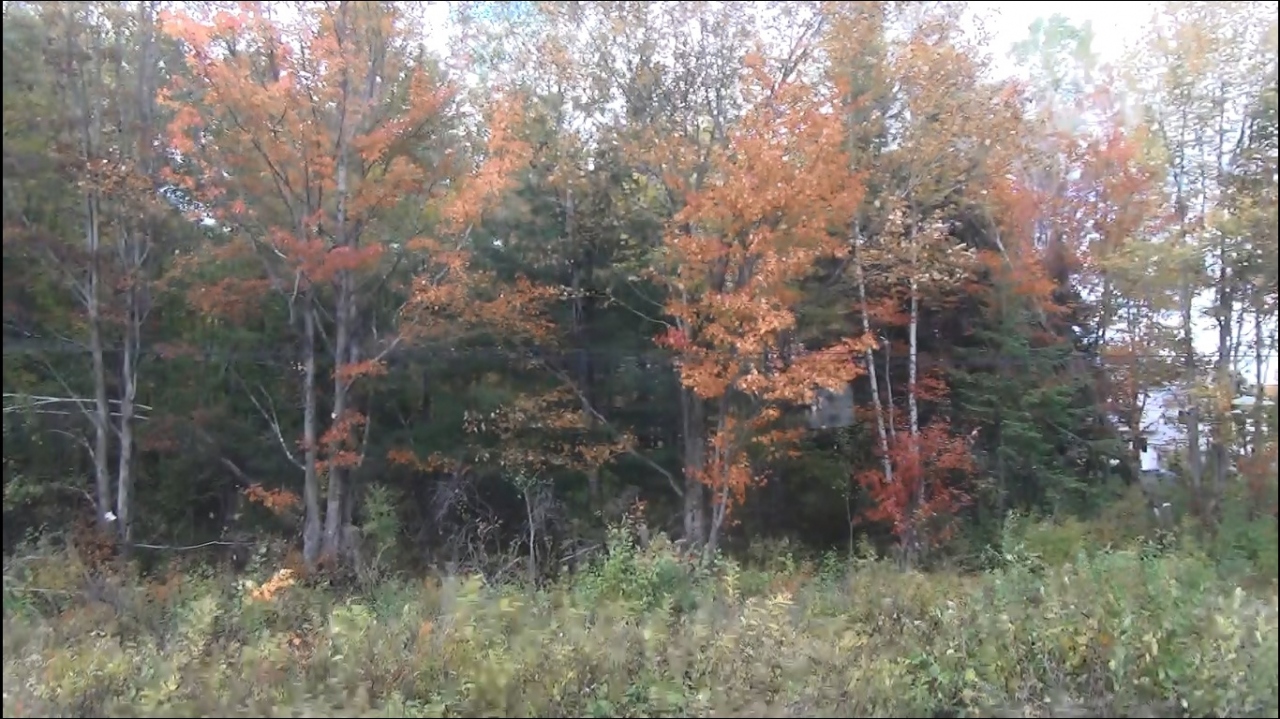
(1132, 631)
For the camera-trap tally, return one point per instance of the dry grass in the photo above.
(1131, 633)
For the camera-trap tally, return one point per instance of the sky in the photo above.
(1116, 26)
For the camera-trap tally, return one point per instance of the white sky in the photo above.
(1116, 26)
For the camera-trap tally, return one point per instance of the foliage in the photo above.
(642, 578)
(757, 226)
(456, 298)
(1130, 631)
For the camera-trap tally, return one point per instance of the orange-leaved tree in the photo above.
(773, 204)
(1112, 200)
(325, 145)
(921, 121)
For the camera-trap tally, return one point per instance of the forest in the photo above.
(812, 358)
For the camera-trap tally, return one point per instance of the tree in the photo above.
(347, 259)
(1205, 66)
(911, 110)
(307, 134)
(99, 68)
(1091, 197)
(759, 224)
(659, 82)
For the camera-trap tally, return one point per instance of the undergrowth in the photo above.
(1133, 630)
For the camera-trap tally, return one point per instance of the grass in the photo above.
(1137, 631)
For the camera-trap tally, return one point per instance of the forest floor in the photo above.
(1137, 630)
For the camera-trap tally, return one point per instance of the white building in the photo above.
(1162, 434)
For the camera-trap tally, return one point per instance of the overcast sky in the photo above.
(1116, 26)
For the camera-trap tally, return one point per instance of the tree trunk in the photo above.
(719, 510)
(1186, 294)
(1191, 377)
(1259, 384)
(343, 317)
(913, 409)
(692, 415)
(882, 435)
(101, 409)
(720, 496)
(913, 418)
(532, 538)
(582, 362)
(892, 424)
(341, 385)
(312, 524)
(134, 247)
(1223, 422)
(128, 393)
(90, 119)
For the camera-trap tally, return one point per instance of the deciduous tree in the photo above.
(96, 74)
(306, 130)
(776, 195)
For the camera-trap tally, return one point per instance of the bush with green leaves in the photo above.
(1128, 632)
(653, 576)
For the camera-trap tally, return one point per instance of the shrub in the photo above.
(1127, 631)
(645, 578)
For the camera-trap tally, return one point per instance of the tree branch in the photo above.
(573, 386)
(272, 419)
